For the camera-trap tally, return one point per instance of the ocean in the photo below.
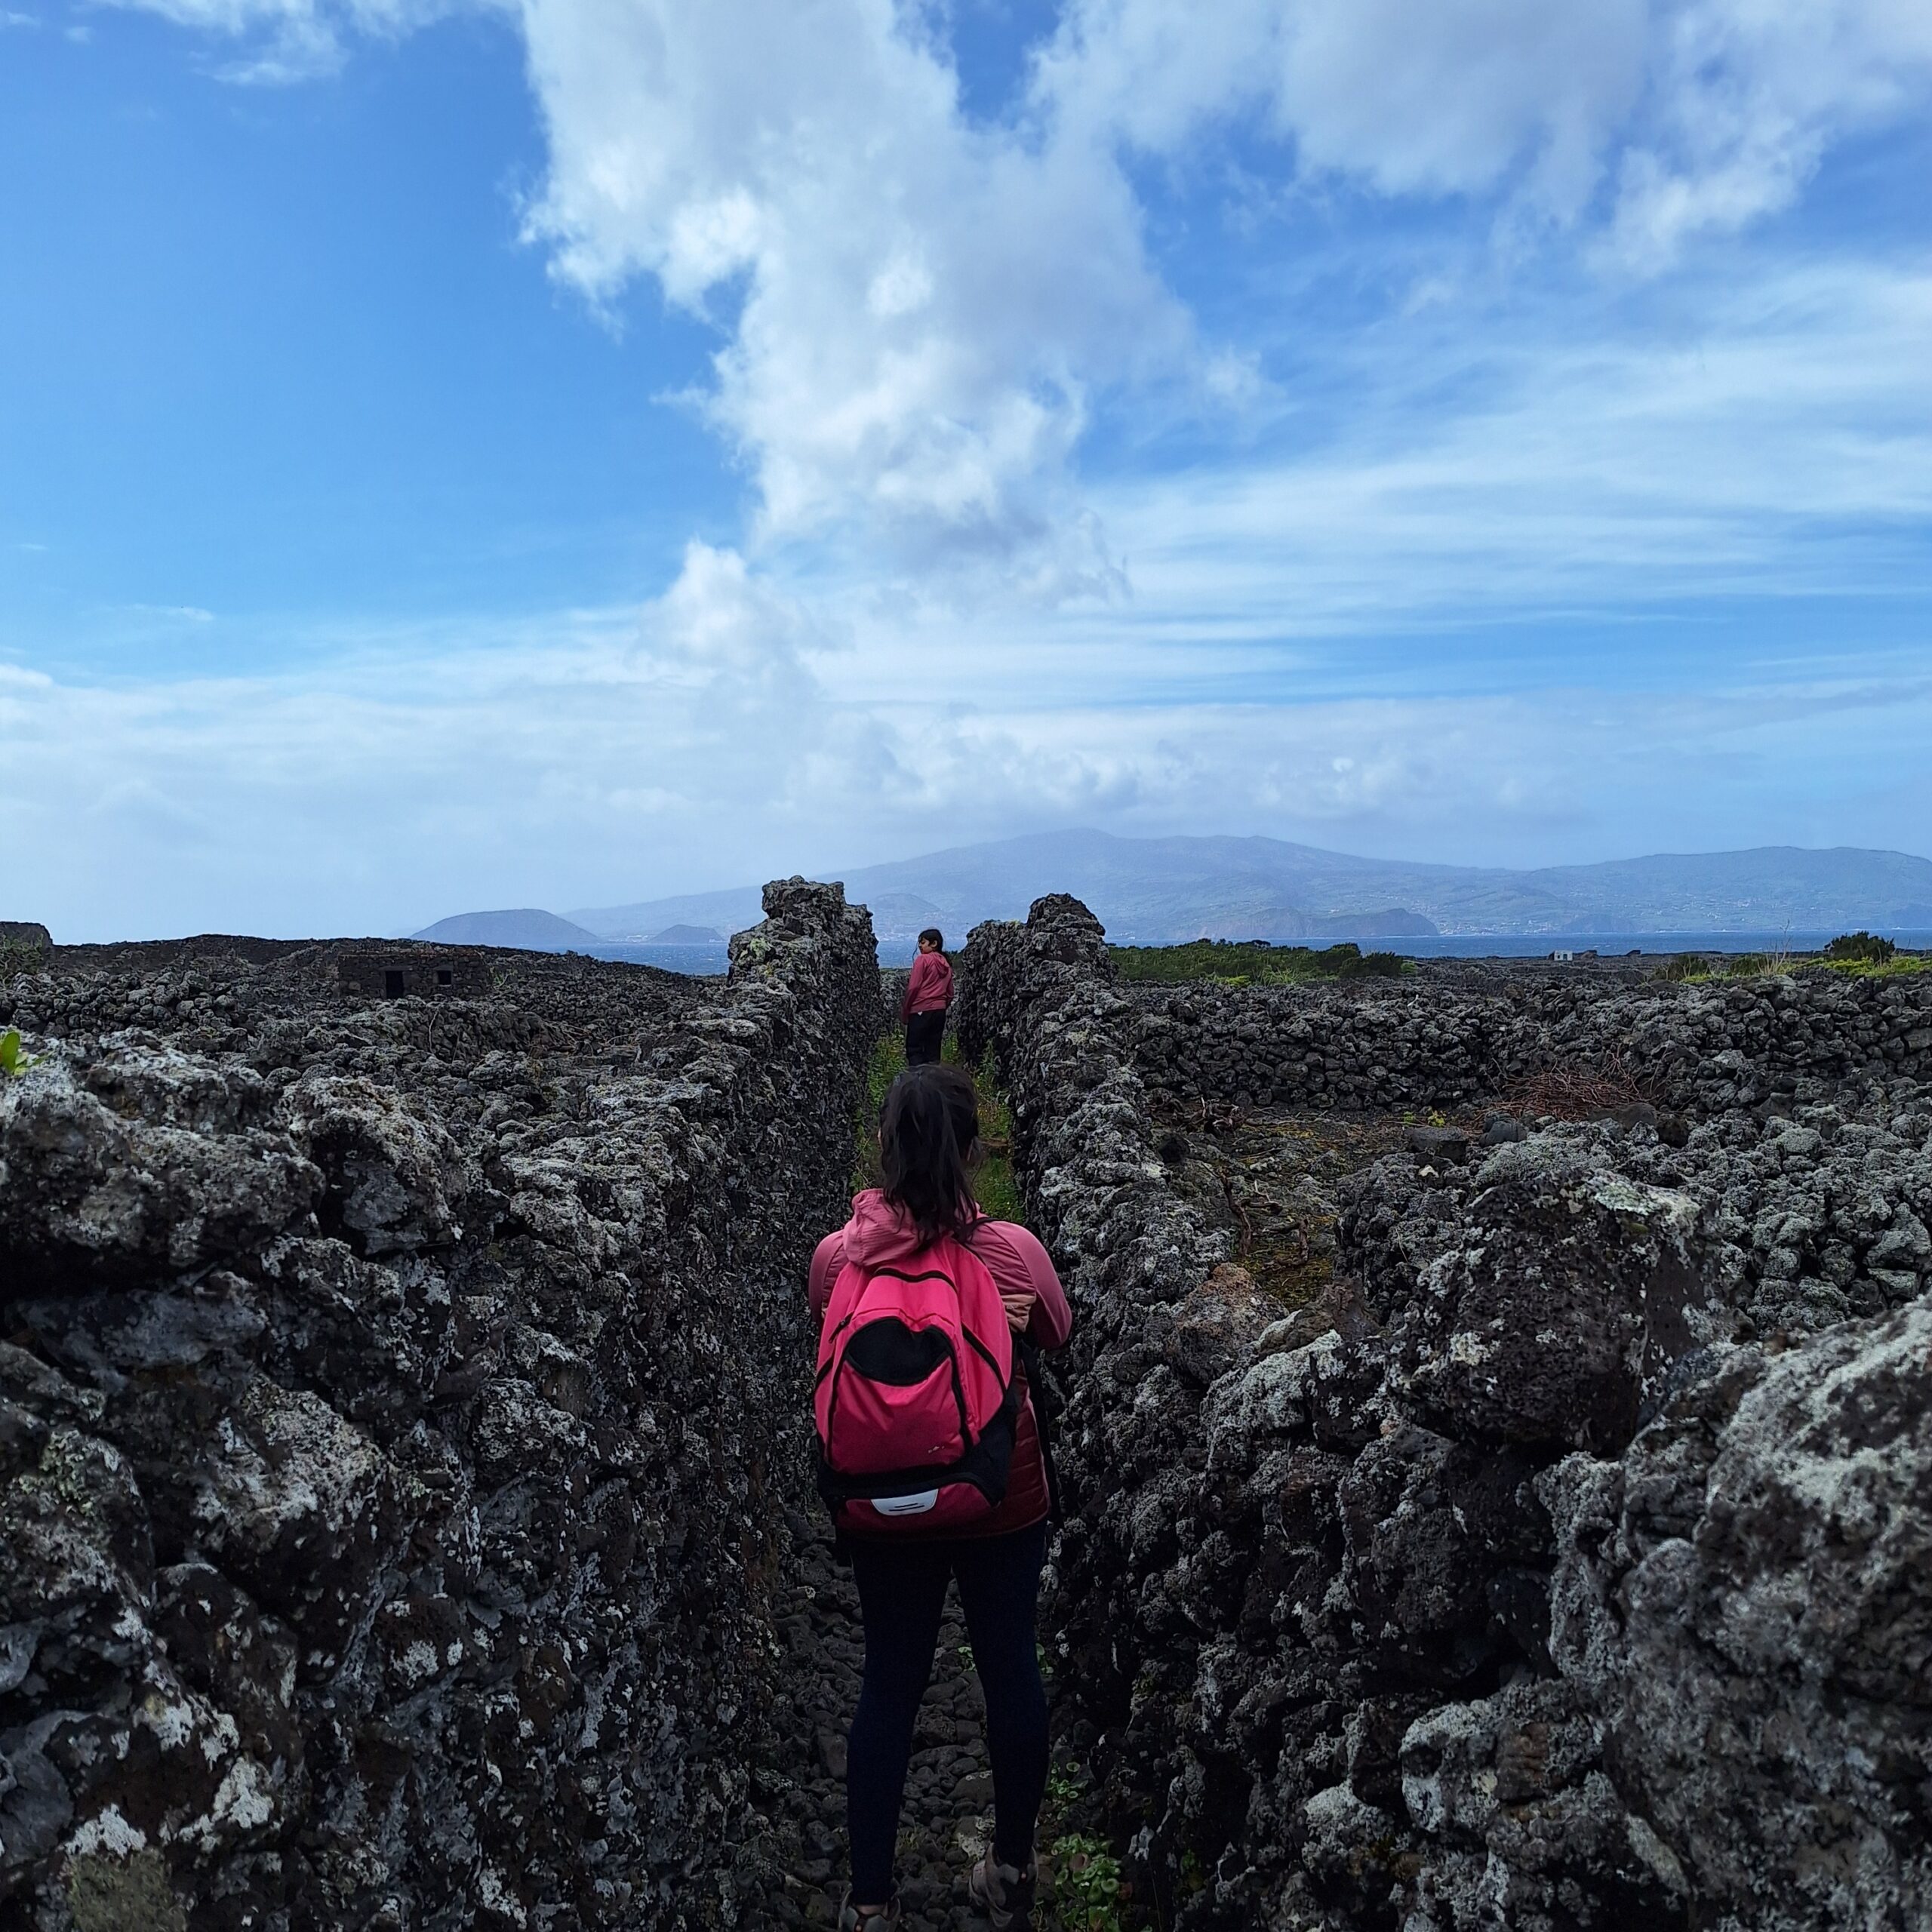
(703, 960)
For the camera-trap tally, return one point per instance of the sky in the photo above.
(467, 455)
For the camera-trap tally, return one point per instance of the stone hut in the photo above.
(424, 971)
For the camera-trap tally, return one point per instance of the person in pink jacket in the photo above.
(928, 993)
(929, 1143)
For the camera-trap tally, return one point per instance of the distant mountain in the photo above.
(686, 936)
(728, 912)
(528, 928)
(1288, 923)
(1157, 890)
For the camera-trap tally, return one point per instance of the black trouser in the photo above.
(924, 1032)
(902, 1590)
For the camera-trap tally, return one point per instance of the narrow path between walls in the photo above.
(946, 1820)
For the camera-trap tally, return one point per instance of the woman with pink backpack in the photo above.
(931, 1457)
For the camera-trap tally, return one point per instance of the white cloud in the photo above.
(1444, 99)
(1747, 97)
(920, 314)
(918, 311)
(1779, 444)
(592, 759)
(298, 40)
(1707, 114)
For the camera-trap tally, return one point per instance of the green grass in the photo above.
(1898, 966)
(994, 1185)
(1692, 971)
(1254, 962)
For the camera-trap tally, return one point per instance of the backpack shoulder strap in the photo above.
(1040, 1392)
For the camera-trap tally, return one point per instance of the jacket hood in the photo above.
(877, 1233)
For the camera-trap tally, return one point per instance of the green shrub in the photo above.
(1861, 946)
(1686, 966)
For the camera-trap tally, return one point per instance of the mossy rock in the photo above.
(132, 1894)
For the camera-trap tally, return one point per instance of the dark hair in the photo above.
(933, 934)
(928, 1144)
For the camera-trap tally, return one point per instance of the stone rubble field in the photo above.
(1485, 1522)
(1477, 1519)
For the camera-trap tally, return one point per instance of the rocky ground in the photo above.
(1481, 1518)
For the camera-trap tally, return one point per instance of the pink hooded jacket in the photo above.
(928, 987)
(879, 1233)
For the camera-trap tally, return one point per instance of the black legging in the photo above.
(925, 1040)
(902, 1590)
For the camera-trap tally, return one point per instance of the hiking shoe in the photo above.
(1004, 1895)
(851, 1919)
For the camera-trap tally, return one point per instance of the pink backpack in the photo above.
(916, 1399)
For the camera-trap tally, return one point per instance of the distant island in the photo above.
(1160, 891)
(528, 929)
(686, 936)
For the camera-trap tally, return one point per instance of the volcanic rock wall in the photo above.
(397, 1402)
(1703, 1048)
(1565, 1565)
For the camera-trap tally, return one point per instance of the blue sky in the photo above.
(469, 456)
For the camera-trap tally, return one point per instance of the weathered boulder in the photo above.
(1746, 1599)
(1566, 1292)
(395, 1179)
(1523, 1827)
(153, 1173)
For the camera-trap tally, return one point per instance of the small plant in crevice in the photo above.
(14, 1059)
(1088, 1890)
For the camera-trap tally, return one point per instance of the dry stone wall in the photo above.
(1564, 1564)
(398, 1400)
(1704, 1049)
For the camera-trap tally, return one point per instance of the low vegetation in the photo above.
(1581, 1091)
(1255, 962)
(1860, 955)
(1861, 946)
(13, 1059)
(993, 1182)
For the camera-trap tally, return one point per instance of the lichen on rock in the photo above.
(397, 1406)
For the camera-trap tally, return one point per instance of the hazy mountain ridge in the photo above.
(1156, 890)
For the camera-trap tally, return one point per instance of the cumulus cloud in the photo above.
(917, 310)
(1447, 99)
(1699, 115)
(920, 312)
